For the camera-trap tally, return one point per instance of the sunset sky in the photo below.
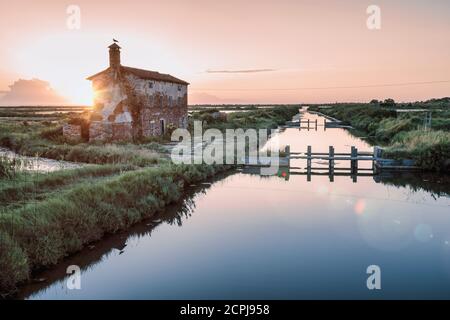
(264, 51)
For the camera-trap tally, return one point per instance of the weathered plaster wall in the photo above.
(135, 104)
(110, 99)
(159, 101)
(100, 131)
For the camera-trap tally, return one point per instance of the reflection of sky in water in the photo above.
(254, 237)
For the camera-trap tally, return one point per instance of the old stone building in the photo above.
(130, 103)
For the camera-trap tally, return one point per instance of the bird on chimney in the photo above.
(115, 40)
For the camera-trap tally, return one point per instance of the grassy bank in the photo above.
(430, 149)
(40, 234)
(258, 118)
(43, 141)
(45, 217)
(402, 135)
(7, 168)
(24, 186)
(46, 140)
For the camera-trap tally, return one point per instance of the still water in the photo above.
(37, 164)
(244, 236)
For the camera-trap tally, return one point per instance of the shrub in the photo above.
(389, 127)
(54, 134)
(13, 264)
(431, 149)
(8, 167)
(26, 185)
(45, 232)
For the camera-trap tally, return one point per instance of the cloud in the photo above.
(240, 71)
(30, 92)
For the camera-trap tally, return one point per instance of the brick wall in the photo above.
(130, 107)
(72, 132)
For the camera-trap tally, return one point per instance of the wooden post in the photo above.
(377, 154)
(308, 163)
(308, 155)
(316, 124)
(324, 124)
(331, 163)
(308, 124)
(287, 151)
(352, 160)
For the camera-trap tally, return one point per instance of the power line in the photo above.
(400, 84)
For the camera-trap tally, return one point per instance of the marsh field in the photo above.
(199, 231)
(58, 195)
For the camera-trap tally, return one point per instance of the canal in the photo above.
(245, 236)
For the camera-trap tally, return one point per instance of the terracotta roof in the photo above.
(97, 74)
(145, 74)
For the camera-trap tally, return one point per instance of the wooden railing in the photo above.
(354, 156)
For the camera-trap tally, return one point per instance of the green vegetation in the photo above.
(46, 216)
(7, 168)
(402, 135)
(45, 139)
(26, 186)
(234, 107)
(259, 118)
(430, 149)
(48, 142)
(41, 234)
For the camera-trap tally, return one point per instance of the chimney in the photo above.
(114, 55)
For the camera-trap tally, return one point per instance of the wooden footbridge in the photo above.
(353, 157)
(330, 169)
(314, 124)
